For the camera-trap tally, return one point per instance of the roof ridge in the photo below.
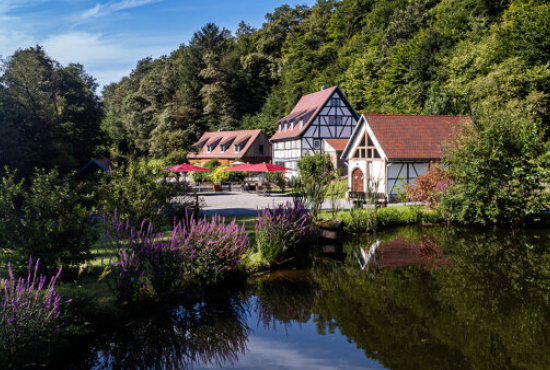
(412, 115)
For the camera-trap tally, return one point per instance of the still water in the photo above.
(410, 298)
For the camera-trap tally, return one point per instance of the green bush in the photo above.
(46, 220)
(138, 193)
(363, 220)
(501, 171)
(204, 176)
(312, 184)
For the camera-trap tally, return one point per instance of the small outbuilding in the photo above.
(385, 152)
(93, 167)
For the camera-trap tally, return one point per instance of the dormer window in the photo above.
(301, 123)
(209, 148)
(237, 148)
(280, 127)
(222, 148)
(286, 126)
(292, 125)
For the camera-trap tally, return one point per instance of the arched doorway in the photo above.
(357, 181)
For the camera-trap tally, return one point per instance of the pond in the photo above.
(410, 298)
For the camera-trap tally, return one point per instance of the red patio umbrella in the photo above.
(267, 167)
(240, 167)
(259, 167)
(185, 168)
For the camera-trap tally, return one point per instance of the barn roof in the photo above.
(217, 138)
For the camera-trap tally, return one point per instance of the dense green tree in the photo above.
(388, 56)
(50, 114)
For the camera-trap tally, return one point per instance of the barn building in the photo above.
(251, 146)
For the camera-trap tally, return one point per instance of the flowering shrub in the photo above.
(279, 232)
(29, 314)
(429, 187)
(196, 251)
(214, 248)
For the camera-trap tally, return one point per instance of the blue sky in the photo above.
(109, 36)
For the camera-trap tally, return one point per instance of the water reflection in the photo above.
(211, 333)
(488, 309)
(419, 298)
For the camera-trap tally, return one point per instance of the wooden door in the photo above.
(357, 181)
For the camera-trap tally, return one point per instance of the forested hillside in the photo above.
(388, 56)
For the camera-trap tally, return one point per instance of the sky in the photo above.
(109, 36)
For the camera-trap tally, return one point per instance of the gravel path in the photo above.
(247, 204)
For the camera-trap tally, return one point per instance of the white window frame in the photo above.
(209, 149)
(237, 148)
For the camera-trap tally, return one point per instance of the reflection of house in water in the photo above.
(400, 252)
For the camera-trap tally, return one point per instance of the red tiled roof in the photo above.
(219, 137)
(413, 136)
(242, 139)
(308, 106)
(213, 139)
(337, 144)
(227, 139)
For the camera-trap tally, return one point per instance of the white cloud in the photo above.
(100, 10)
(266, 353)
(107, 58)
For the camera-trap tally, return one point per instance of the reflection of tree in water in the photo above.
(489, 309)
(282, 298)
(210, 333)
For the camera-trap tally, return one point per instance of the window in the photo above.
(366, 149)
(237, 148)
(286, 126)
(316, 144)
(335, 121)
(222, 148)
(301, 123)
(261, 149)
(292, 125)
(335, 102)
(280, 127)
(209, 148)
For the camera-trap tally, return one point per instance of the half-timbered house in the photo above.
(316, 117)
(385, 152)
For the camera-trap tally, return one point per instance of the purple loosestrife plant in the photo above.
(29, 312)
(195, 251)
(281, 231)
(130, 282)
(215, 249)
